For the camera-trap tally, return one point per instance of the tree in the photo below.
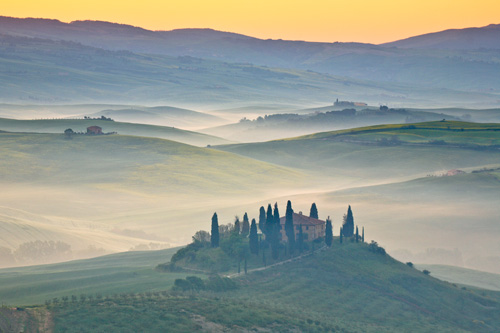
(290, 232)
(348, 226)
(314, 211)
(357, 235)
(214, 237)
(328, 232)
(262, 219)
(237, 225)
(6, 256)
(254, 240)
(275, 232)
(201, 236)
(245, 229)
(363, 235)
(277, 216)
(68, 133)
(341, 233)
(269, 222)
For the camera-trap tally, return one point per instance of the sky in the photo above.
(370, 21)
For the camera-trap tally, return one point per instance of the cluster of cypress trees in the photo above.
(271, 228)
(347, 229)
(269, 224)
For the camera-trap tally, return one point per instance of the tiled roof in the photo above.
(303, 220)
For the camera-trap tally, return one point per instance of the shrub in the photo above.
(216, 283)
(375, 248)
(426, 272)
(410, 264)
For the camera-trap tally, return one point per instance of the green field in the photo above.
(451, 132)
(80, 125)
(128, 272)
(345, 288)
(360, 153)
(87, 190)
(394, 188)
(128, 161)
(464, 276)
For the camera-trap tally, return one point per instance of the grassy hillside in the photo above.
(384, 151)
(386, 185)
(128, 272)
(80, 125)
(437, 132)
(292, 124)
(345, 288)
(127, 161)
(162, 115)
(366, 291)
(453, 219)
(464, 276)
(115, 191)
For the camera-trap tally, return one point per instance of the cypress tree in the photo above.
(275, 239)
(290, 232)
(314, 211)
(245, 228)
(254, 241)
(214, 236)
(357, 235)
(341, 233)
(328, 232)
(237, 225)
(269, 222)
(348, 226)
(363, 235)
(262, 219)
(277, 216)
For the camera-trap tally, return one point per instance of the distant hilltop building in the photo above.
(311, 228)
(94, 130)
(454, 172)
(343, 104)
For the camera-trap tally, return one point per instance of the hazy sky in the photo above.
(373, 21)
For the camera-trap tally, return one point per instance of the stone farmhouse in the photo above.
(311, 228)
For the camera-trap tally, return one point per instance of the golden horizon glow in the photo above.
(368, 21)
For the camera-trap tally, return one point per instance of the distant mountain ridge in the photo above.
(487, 37)
(473, 70)
(392, 62)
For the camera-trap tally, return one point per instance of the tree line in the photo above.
(270, 226)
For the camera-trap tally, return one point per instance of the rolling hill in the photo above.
(464, 276)
(153, 115)
(161, 115)
(383, 151)
(454, 39)
(114, 192)
(115, 273)
(80, 125)
(362, 290)
(296, 123)
(421, 67)
(386, 184)
(40, 71)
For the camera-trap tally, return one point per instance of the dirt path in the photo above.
(278, 263)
